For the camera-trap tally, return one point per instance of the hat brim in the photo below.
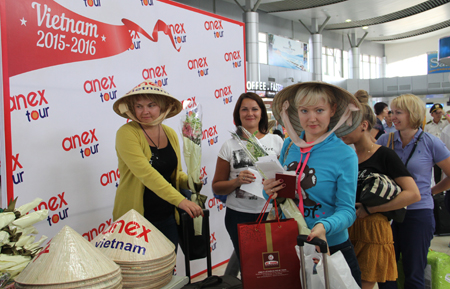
(435, 107)
(150, 90)
(343, 99)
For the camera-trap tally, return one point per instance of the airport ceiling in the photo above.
(386, 21)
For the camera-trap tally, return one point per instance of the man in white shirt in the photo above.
(437, 124)
(435, 127)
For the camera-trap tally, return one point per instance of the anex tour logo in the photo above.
(110, 177)
(178, 32)
(135, 40)
(86, 141)
(234, 57)
(17, 176)
(225, 94)
(157, 74)
(213, 241)
(213, 202)
(214, 26)
(199, 64)
(56, 205)
(146, 2)
(34, 104)
(104, 87)
(92, 3)
(211, 135)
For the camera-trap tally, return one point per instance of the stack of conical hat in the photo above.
(147, 258)
(70, 261)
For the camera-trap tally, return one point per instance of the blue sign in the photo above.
(434, 66)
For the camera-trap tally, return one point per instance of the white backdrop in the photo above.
(65, 62)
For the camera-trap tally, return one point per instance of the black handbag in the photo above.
(196, 244)
(378, 189)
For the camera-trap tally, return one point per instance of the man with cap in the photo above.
(435, 127)
(437, 124)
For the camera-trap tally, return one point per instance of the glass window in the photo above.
(324, 64)
(373, 70)
(417, 65)
(262, 53)
(345, 65)
(330, 65)
(366, 70)
(262, 37)
(262, 47)
(338, 66)
(337, 63)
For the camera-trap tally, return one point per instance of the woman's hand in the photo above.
(191, 208)
(319, 232)
(245, 177)
(360, 212)
(272, 186)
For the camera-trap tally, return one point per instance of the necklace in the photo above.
(370, 149)
(159, 132)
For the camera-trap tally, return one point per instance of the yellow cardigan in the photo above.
(136, 172)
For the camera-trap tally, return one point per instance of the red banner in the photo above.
(42, 34)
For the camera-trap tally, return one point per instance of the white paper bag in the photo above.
(340, 275)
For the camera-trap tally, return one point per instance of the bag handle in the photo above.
(414, 148)
(390, 142)
(261, 215)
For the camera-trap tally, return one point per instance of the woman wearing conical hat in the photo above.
(316, 114)
(150, 160)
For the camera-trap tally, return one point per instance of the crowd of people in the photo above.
(328, 129)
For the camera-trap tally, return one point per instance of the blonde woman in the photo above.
(371, 233)
(316, 114)
(420, 151)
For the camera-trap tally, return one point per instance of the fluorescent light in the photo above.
(348, 20)
(365, 27)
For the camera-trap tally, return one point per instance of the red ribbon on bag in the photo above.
(263, 211)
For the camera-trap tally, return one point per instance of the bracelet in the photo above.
(365, 209)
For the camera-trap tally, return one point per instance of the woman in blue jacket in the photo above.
(316, 114)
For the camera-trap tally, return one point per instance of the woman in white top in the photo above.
(232, 165)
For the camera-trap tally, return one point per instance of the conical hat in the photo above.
(343, 98)
(133, 238)
(147, 87)
(68, 257)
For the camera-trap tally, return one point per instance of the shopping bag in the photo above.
(267, 253)
(311, 259)
(339, 273)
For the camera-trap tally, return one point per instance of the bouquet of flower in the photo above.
(17, 242)
(253, 148)
(191, 130)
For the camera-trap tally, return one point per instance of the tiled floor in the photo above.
(439, 244)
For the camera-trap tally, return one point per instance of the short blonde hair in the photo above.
(413, 105)
(160, 100)
(312, 93)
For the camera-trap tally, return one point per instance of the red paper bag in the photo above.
(268, 256)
